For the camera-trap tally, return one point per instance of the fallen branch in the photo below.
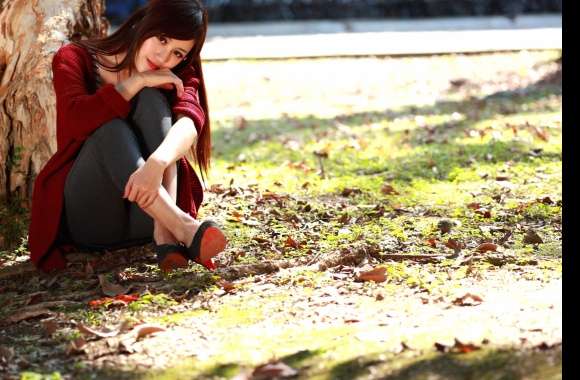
(238, 271)
(424, 258)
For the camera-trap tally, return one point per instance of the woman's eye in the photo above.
(162, 39)
(178, 55)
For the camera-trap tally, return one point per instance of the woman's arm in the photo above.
(181, 136)
(143, 185)
(81, 112)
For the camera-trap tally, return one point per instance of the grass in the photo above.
(304, 170)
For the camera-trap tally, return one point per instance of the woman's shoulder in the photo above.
(71, 52)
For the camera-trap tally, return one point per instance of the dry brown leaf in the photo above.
(432, 242)
(87, 331)
(35, 298)
(376, 275)
(468, 299)
(388, 189)
(541, 133)
(347, 191)
(77, 346)
(28, 313)
(474, 206)
(110, 289)
(483, 212)
(532, 237)
(486, 247)
(49, 325)
(273, 370)
(291, 243)
(454, 245)
(464, 348)
(147, 329)
(226, 285)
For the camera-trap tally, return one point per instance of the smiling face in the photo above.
(161, 52)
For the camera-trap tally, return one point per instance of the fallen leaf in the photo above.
(49, 325)
(474, 206)
(441, 347)
(346, 192)
(486, 247)
(291, 243)
(122, 299)
(147, 329)
(464, 348)
(432, 242)
(28, 314)
(388, 189)
(445, 226)
(468, 299)
(110, 289)
(87, 331)
(483, 212)
(532, 237)
(76, 346)
(541, 133)
(226, 285)
(454, 245)
(35, 298)
(273, 370)
(376, 275)
(545, 200)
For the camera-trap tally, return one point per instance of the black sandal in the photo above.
(217, 243)
(171, 257)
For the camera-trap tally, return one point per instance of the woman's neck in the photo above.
(114, 60)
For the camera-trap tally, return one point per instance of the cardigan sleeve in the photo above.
(188, 103)
(83, 112)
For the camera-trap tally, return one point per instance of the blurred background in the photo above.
(274, 10)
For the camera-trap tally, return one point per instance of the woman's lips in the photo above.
(151, 65)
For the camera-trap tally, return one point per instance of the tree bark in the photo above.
(30, 33)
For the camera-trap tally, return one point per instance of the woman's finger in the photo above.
(133, 194)
(128, 187)
(142, 201)
(152, 199)
(147, 202)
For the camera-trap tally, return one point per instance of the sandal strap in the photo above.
(193, 250)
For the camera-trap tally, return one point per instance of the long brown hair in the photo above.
(177, 19)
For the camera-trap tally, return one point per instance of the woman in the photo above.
(129, 108)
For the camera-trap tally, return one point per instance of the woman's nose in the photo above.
(162, 55)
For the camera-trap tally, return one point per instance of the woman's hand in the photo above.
(143, 185)
(162, 78)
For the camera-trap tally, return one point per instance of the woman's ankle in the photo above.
(190, 226)
(162, 235)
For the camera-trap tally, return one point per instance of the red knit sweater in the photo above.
(80, 110)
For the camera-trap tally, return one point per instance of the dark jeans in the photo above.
(96, 217)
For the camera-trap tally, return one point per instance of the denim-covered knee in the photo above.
(112, 130)
(149, 100)
(118, 150)
(151, 117)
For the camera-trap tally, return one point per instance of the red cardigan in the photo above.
(80, 110)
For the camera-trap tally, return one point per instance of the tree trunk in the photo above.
(30, 33)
